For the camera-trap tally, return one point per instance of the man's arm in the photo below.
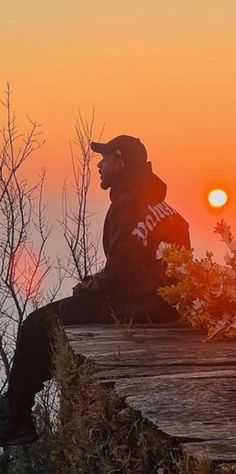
(121, 254)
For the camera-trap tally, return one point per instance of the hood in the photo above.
(141, 182)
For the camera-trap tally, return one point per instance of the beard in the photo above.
(109, 181)
(104, 186)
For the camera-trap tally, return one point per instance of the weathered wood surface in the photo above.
(186, 387)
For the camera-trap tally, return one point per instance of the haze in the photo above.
(163, 71)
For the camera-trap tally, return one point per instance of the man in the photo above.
(137, 221)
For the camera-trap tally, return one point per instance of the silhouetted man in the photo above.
(137, 221)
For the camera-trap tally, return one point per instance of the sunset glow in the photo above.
(25, 276)
(217, 198)
(161, 71)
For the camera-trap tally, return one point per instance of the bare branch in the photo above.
(76, 223)
(24, 265)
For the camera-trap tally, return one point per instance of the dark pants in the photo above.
(33, 358)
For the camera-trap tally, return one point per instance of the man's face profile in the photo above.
(109, 169)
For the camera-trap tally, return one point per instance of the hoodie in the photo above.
(138, 219)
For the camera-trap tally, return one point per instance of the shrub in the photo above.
(204, 292)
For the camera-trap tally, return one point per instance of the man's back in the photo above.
(137, 221)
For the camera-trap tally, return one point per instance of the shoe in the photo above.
(15, 435)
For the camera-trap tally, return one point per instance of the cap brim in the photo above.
(99, 147)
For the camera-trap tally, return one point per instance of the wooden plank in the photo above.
(217, 451)
(164, 341)
(202, 408)
(183, 386)
(165, 372)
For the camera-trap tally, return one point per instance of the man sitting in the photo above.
(137, 221)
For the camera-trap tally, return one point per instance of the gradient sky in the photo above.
(162, 70)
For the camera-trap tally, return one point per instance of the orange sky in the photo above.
(162, 70)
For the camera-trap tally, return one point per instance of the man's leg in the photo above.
(33, 359)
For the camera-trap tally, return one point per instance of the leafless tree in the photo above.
(24, 231)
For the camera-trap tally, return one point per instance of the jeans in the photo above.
(33, 357)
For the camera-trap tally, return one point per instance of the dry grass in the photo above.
(97, 432)
(187, 465)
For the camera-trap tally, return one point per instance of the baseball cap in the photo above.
(130, 149)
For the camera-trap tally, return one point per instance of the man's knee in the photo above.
(35, 320)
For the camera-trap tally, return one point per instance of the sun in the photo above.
(217, 197)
